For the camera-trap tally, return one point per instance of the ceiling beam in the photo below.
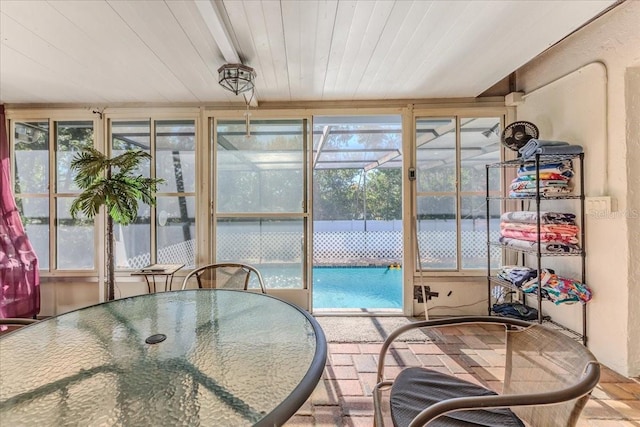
(210, 12)
(323, 138)
(213, 19)
(382, 160)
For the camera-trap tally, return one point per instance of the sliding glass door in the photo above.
(357, 212)
(260, 193)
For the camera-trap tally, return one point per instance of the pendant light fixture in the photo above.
(239, 78)
(236, 78)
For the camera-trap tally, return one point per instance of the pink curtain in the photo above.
(19, 277)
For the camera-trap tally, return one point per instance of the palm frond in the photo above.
(129, 160)
(111, 183)
(145, 188)
(122, 203)
(90, 164)
(90, 200)
(118, 190)
(123, 211)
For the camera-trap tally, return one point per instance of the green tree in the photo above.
(336, 194)
(384, 194)
(111, 183)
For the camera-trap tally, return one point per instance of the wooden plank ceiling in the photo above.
(108, 52)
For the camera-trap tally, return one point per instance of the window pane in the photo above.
(437, 232)
(176, 230)
(75, 248)
(263, 172)
(35, 218)
(133, 242)
(495, 181)
(130, 135)
(175, 155)
(268, 244)
(436, 154)
(357, 142)
(474, 232)
(31, 148)
(71, 137)
(480, 145)
(445, 179)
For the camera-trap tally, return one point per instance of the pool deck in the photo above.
(343, 396)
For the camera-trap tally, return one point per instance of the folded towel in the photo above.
(546, 247)
(543, 191)
(525, 185)
(559, 149)
(543, 176)
(531, 217)
(564, 167)
(529, 149)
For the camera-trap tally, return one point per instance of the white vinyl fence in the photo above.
(339, 243)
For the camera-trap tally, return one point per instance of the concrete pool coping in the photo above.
(361, 328)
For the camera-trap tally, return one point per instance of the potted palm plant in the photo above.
(115, 184)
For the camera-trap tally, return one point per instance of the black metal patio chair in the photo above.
(225, 275)
(548, 380)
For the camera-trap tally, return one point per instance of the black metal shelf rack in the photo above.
(538, 197)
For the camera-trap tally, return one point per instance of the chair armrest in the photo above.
(582, 387)
(450, 321)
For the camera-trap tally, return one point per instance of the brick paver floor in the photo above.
(343, 396)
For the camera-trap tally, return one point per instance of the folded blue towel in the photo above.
(557, 150)
(529, 149)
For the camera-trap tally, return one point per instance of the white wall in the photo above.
(611, 43)
(61, 296)
(556, 108)
(633, 160)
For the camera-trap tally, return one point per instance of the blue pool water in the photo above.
(342, 287)
(357, 287)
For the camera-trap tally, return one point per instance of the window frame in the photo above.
(153, 118)
(303, 215)
(202, 115)
(101, 141)
(457, 114)
(52, 195)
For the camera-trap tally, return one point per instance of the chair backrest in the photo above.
(543, 360)
(225, 275)
(12, 323)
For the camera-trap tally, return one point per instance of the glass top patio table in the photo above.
(230, 358)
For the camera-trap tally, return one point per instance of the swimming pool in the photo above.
(357, 287)
(343, 287)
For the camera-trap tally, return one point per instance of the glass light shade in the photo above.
(237, 78)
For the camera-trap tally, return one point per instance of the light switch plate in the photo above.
(598, 205)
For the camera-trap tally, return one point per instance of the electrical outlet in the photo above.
(418, 295)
